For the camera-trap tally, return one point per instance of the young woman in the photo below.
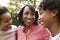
(50, 17)
(29, 29)
(7, 30)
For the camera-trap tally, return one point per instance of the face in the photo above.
(28, 16)
(46, 18)
(6, 21)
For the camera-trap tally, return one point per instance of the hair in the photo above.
(21, 13)
(3, 10)
(51, 5)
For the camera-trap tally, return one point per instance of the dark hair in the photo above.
(21, 12)
(51, 5)
(3, 10)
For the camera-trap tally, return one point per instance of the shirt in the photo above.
(36, 32)
(57, 37)
(9, 34)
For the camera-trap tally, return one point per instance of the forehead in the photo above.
(29, 9)
(26, 8)
(5, 16)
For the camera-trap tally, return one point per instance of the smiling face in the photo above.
(46, 18)
(28, 16)
(6, 21)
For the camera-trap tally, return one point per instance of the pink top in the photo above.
(36, 32)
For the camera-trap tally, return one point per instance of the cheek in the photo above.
(23, 18)
(42, 17)
(33, 18)
(4, 24)
(47, 21)
(45, 18)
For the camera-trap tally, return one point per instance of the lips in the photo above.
(42, 23)
(29, 20)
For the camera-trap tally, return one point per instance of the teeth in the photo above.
(41, 22)
(28, 20)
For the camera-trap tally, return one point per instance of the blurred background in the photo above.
(14, 7)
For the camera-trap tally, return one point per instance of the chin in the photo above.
(28, 25)
(43, 25)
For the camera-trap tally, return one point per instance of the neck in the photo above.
(55, 29)
(26, 28)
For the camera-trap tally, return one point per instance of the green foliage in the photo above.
(14, 9)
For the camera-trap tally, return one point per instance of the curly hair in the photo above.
(51, 5)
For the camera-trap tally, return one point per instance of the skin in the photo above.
(6, 21)
(28, 17)
(46, 17)
(49, 20)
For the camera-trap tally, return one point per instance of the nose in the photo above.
(39, 20)
(10, 22)
(40, 17)
(29, 16)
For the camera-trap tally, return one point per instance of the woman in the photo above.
(29, 29)
(50, 16)
(7, 30)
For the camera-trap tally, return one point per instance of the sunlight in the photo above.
(4, 2)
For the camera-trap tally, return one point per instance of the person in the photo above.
(29, 29)
(7, 30)
(50, 17)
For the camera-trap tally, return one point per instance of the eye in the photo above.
(7, 20)
(33, 14)
(26, 13)
(41, 13)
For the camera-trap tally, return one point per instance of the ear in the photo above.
(55, 12)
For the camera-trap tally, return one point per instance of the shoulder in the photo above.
(38, 26)
(20, 28)
(14, 27)
(43, 30)
(46, 33)
(57, 37)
